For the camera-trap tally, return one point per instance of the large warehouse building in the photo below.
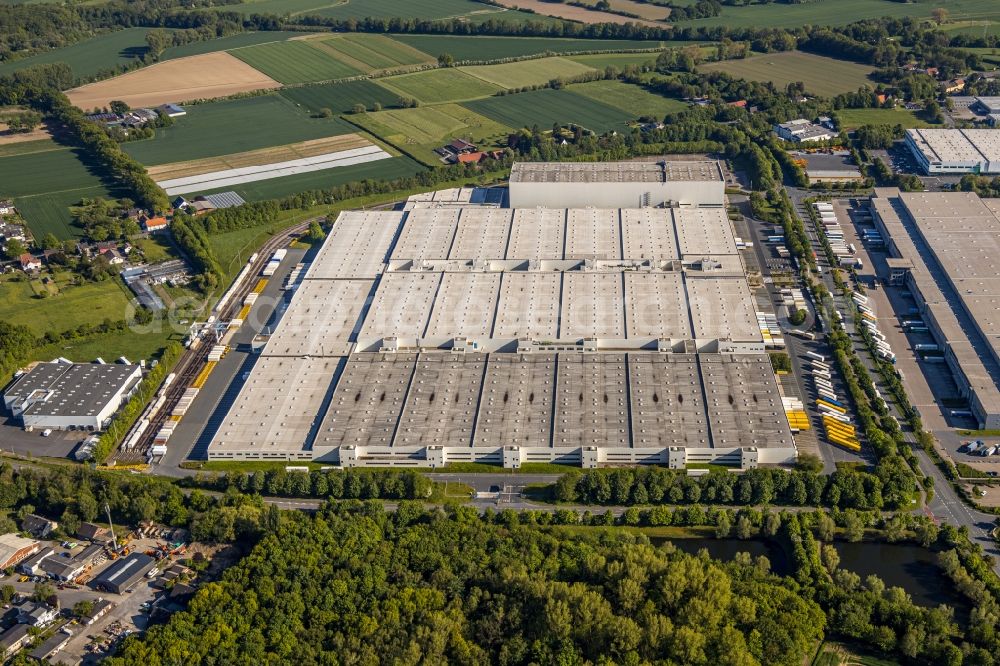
(955, 151)
(946, 247)
(70, 396)
(616, 184)
(585, 336)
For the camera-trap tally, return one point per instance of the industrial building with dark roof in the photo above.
(70, 396)
(123, 573)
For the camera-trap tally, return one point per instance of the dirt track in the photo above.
(197, 77)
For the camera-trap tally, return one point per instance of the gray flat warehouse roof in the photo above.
(613, 172)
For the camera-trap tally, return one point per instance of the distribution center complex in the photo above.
(586, 336)
(955, 235)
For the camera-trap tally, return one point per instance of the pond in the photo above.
(898, 565)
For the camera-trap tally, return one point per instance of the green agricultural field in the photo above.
(853, 118)
(973, 28)
(65, 306)
(418, 131)
(90, 57)
(545, 107)
(371, 53)
(821, 75)
(620, 60)
(340, 97)
(45, 184)
(396, 167)
(631, 99)
(527, 72)
(496, 48)
(225, 43)
(359, 9)
(840, 12)
(234, 126)
(438, 85)
(294, 61)
(28, 147)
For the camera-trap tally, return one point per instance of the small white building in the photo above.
(803, 131)
(70, 396)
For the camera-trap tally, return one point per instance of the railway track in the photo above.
(193, 360)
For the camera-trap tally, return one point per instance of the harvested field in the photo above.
(292, 151)
(527, 72)
(574, 13)
(198, 77)
(821, 75)
(439, 85)
(640, 9)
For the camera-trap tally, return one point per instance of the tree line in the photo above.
(890, 486)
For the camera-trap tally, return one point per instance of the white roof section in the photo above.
(704, 231)
(648, 233)
(722, 308)
(593, 232)
(516, 403)
(321, 319)
(401, 306)
(482, 234)
(537, 233)
(528, 306)
(464, 306)
(592, 306)
(427, 234)
(357, 246)
(656, 306)
(277, 407)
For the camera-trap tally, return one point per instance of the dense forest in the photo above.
(356, 585)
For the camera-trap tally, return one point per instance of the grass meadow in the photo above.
(64, 305)
(439, 85)
(821, 75)
(854, 118)
(544, 107)
(527, 72)
(630, 99)
(340, 97)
